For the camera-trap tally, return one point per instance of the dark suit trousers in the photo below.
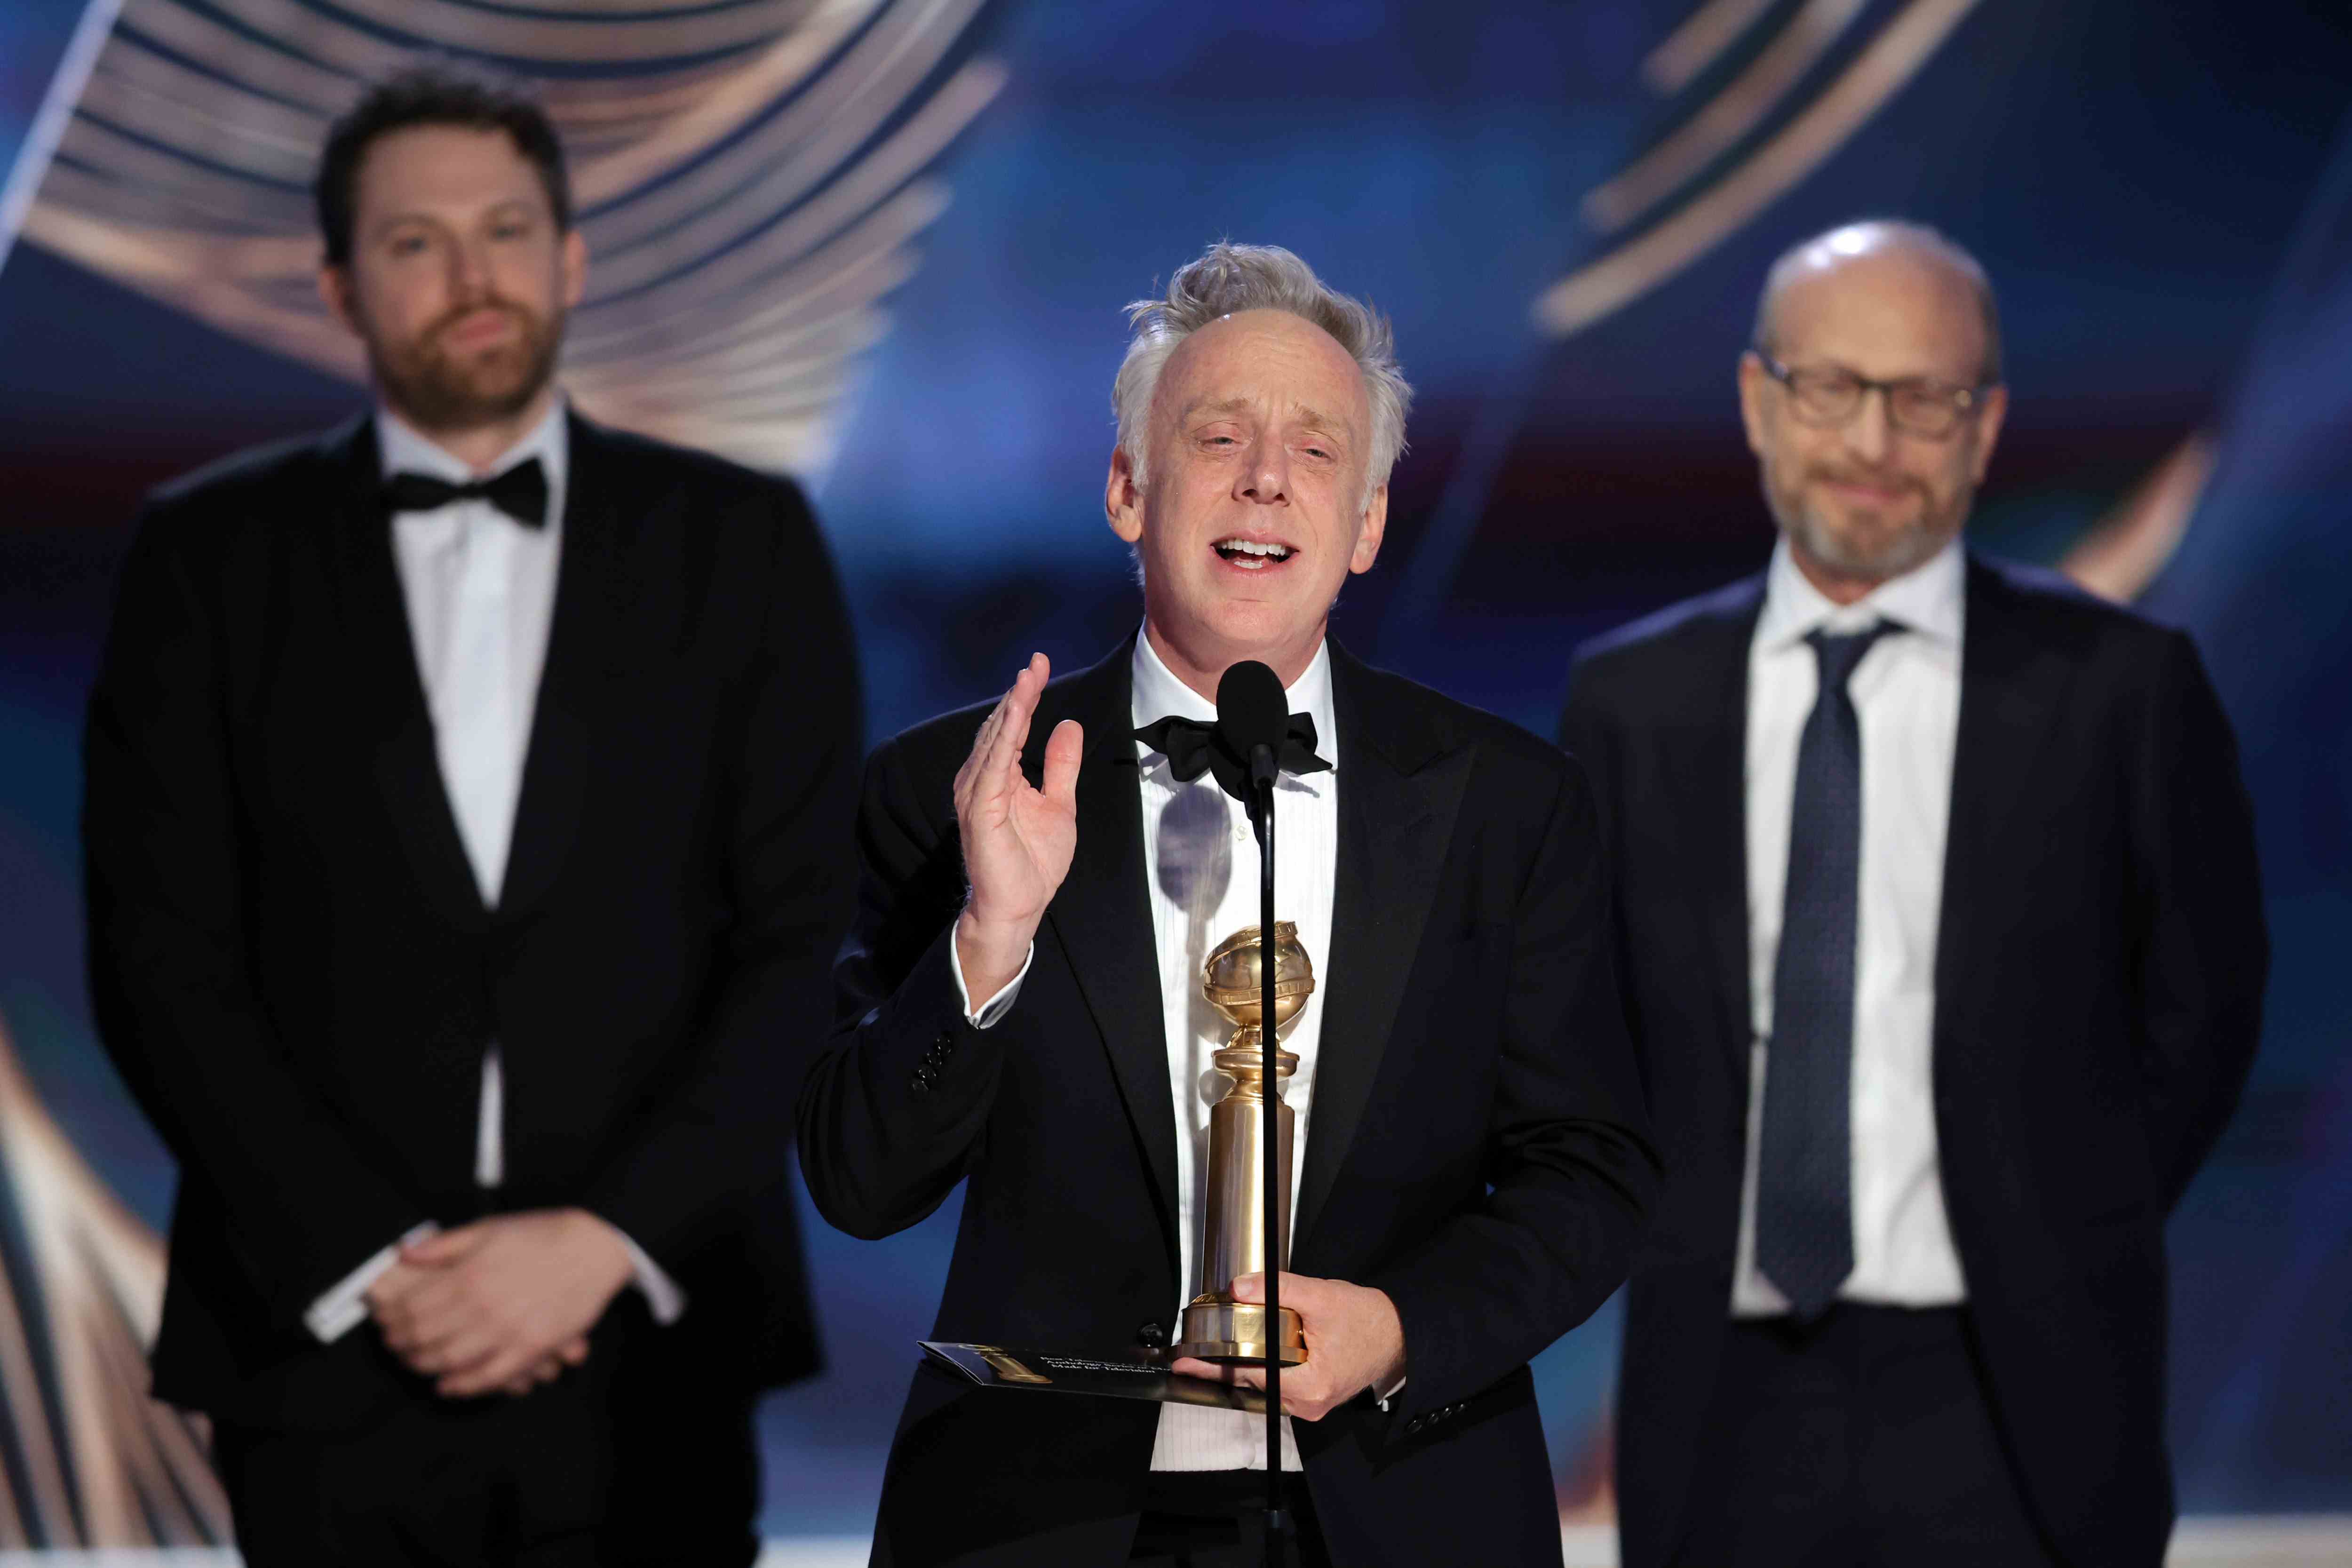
(630, 1459)
(1861, 1440)
(1214, 1519)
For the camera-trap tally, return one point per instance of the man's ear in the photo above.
(575, 267)
(1752, 378)
(1369, 534)
(1995, 409)
(335, 289)
(1123, 498)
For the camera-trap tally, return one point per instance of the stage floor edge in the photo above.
(2274, 1540)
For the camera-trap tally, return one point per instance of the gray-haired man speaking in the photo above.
(1020, 1009)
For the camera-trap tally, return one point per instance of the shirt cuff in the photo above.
(663, 1297)
(344, 1307)
(989, 1011)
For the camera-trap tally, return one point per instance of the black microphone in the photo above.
(1253, 720)
(1253, 716)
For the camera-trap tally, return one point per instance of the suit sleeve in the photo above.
(896, 1111)
(164, 850)
(1581, 731)
(1588, 734)
(2203, 948)
(713, 1136)
(1571, 1174)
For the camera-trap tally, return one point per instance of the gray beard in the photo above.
(1912, 547)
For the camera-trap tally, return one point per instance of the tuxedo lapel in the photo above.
(2010, 687)
(574, 678)
(1399, 793)
(1101, 916)
(394, 723)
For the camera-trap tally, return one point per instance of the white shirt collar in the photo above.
(1158, 694)
(402, 450)
(1928, 600)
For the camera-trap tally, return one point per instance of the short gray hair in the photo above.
(1883, 234)
(1228, 279)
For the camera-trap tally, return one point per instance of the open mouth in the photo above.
(1253, 554)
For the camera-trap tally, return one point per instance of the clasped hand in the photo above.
(503, 1304)
(1018, 840)
(1354, 1341)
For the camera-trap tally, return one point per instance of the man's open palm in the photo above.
(1018, 837)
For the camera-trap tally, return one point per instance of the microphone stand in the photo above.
(1262, 771)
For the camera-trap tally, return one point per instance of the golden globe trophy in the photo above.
(1233, 1241)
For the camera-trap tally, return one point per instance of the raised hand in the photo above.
(1017, 838)
(1354, 1341)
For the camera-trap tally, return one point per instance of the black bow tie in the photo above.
(520, 492)
(1193, 748)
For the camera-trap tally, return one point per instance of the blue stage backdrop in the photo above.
(884, 245)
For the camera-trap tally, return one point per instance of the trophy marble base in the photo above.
(1235, 1331)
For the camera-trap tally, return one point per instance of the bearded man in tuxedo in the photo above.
(1020, 1012)
(465, 857)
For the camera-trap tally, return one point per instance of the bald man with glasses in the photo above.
(1940, 932)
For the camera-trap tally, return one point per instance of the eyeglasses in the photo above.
(1829, 395)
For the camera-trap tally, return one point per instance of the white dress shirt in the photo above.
(479, 589)
(1907, 694)
(1199, 859)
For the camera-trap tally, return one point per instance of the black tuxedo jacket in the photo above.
(2098, 987)
(1478, 1148)
(294, 971)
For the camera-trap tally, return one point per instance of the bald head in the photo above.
(1935, 274)
(1872, 400)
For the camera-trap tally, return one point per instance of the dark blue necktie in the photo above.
(1804, 1187)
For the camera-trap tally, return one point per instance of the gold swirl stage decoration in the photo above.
(1758, 105)
(86, 1457)
(750, 175)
